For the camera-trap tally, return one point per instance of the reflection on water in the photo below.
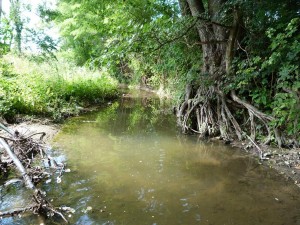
(131, 166)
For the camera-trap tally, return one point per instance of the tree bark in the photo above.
(218, 46)
(205, 107)
(213, 35)
(184, 8)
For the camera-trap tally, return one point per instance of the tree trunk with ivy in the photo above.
(207, 109)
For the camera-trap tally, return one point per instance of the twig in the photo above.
(7, 138)
(42, 135)
(258, 148)
(19, 210)
(60, 214)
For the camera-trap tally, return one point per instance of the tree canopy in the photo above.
(231, 65)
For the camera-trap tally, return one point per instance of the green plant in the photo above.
(272, 79)
(54, 89)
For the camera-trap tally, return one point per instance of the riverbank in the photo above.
(38, 126)
(53, 89)
(235, 168)
(285, 161)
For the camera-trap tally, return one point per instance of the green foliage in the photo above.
(136, 41)
(54, 89)
(272, 79)
(6, 33)
(18, 35)
(284, 60)
(147, 42)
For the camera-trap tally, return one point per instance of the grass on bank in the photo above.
(54, 89)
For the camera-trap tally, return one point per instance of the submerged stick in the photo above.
(41, 202)
(19, 210)
(18, 164)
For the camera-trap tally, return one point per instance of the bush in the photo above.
(272, 79)
(54, 88)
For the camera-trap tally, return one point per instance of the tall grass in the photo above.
(55, 88)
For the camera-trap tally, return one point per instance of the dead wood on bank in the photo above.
(23, 153)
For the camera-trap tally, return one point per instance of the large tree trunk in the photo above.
(213, 36)
(206, 109)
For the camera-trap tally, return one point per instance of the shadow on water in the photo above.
(129, 165)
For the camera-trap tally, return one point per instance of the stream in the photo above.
(130, 165)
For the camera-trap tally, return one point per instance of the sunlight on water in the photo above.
(129, 165)
(132, 167)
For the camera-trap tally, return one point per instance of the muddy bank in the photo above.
(285, 161)
(30, 127)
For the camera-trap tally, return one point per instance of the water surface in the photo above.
(130, 165)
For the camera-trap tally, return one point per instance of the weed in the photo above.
(56, 88)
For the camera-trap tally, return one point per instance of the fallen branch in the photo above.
(258, 148)
(18, 164)
(17, 211)
(42, 205)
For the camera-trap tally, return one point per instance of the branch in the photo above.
(162, 44)
(175, 38)
(258, 148)
(232, 39)
(18, 164)
(16, 211)
(204, 42)
(39, 197)
(208, 21)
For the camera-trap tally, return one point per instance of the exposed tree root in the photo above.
(265, 119)
(209, 113)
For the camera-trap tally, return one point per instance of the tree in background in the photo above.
(231, 56)
(17, 22)
(210, 104)
(18, 34)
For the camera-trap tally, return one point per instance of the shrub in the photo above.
(54, 88)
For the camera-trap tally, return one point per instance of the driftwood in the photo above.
(17, 211)
(18, 164)
(20, 159)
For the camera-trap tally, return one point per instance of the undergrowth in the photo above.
(55, 89)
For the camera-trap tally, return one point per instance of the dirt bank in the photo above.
(32, 127)
(285, 161)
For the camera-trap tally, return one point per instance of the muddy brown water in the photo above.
(130, 165)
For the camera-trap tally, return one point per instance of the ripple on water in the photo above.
(147, 173)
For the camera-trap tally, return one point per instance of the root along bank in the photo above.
(212, 105)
